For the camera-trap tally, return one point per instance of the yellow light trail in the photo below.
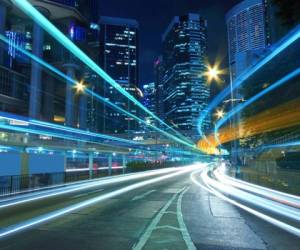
(281, 117)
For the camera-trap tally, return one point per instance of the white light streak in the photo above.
(53, 215)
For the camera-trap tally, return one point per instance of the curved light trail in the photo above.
(250, 202)
(254, 98)
(281, 145)
(293, 36)
(277, 196)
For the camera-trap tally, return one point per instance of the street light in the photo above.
(219, 113)
(213, 73)
(80, 87)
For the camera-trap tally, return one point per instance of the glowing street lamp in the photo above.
(80, 87)
(213, 73)
(220, 113)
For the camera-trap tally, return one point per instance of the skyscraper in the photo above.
(250, 29)
(149, 92)
(247, 36)
(159, 97)
(119, 58)
(46, 98)
(185, 88)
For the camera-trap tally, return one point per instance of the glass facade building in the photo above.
(149, 99)
(185, 88)
(247, 36)
(44, 97)
(159, 97)
(119, 58)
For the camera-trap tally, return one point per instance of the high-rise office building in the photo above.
(44, 97)
(119, 58)
(149, 99)
(185, 88)
(252, 27)
(247, 35)
(159, 97)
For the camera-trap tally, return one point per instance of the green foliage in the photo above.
(136, 166)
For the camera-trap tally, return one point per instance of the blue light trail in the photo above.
(26, 129)
(281, 145)
(293, 36)
(34, 14)
(71, 81)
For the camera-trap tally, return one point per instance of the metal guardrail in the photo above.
(10, 185)
(13, 185)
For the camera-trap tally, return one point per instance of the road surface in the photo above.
(159, 211)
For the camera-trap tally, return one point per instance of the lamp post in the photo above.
(80, 89)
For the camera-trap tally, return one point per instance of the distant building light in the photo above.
(94, 26)
(47, 47)
(59, 119)
(28, 35)
(138, 138)
(44, 137)
(18, 123)
(72, 31)
(28, 46)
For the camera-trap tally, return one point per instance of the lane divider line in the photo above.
(170, 212)
(168, 227)
(147, 234)
(88, 193)
(184, 231)
(182, 227)
(138, 197)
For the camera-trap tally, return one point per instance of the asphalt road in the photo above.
(172, 213)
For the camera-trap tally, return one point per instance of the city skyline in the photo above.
(154, 16)
(120, 127)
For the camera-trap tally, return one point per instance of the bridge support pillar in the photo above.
(91, 163)
(82, 111)
(48, 99)
(36, 72)
(109, 164)
(69, 109)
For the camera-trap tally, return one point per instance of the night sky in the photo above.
(154, 17)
